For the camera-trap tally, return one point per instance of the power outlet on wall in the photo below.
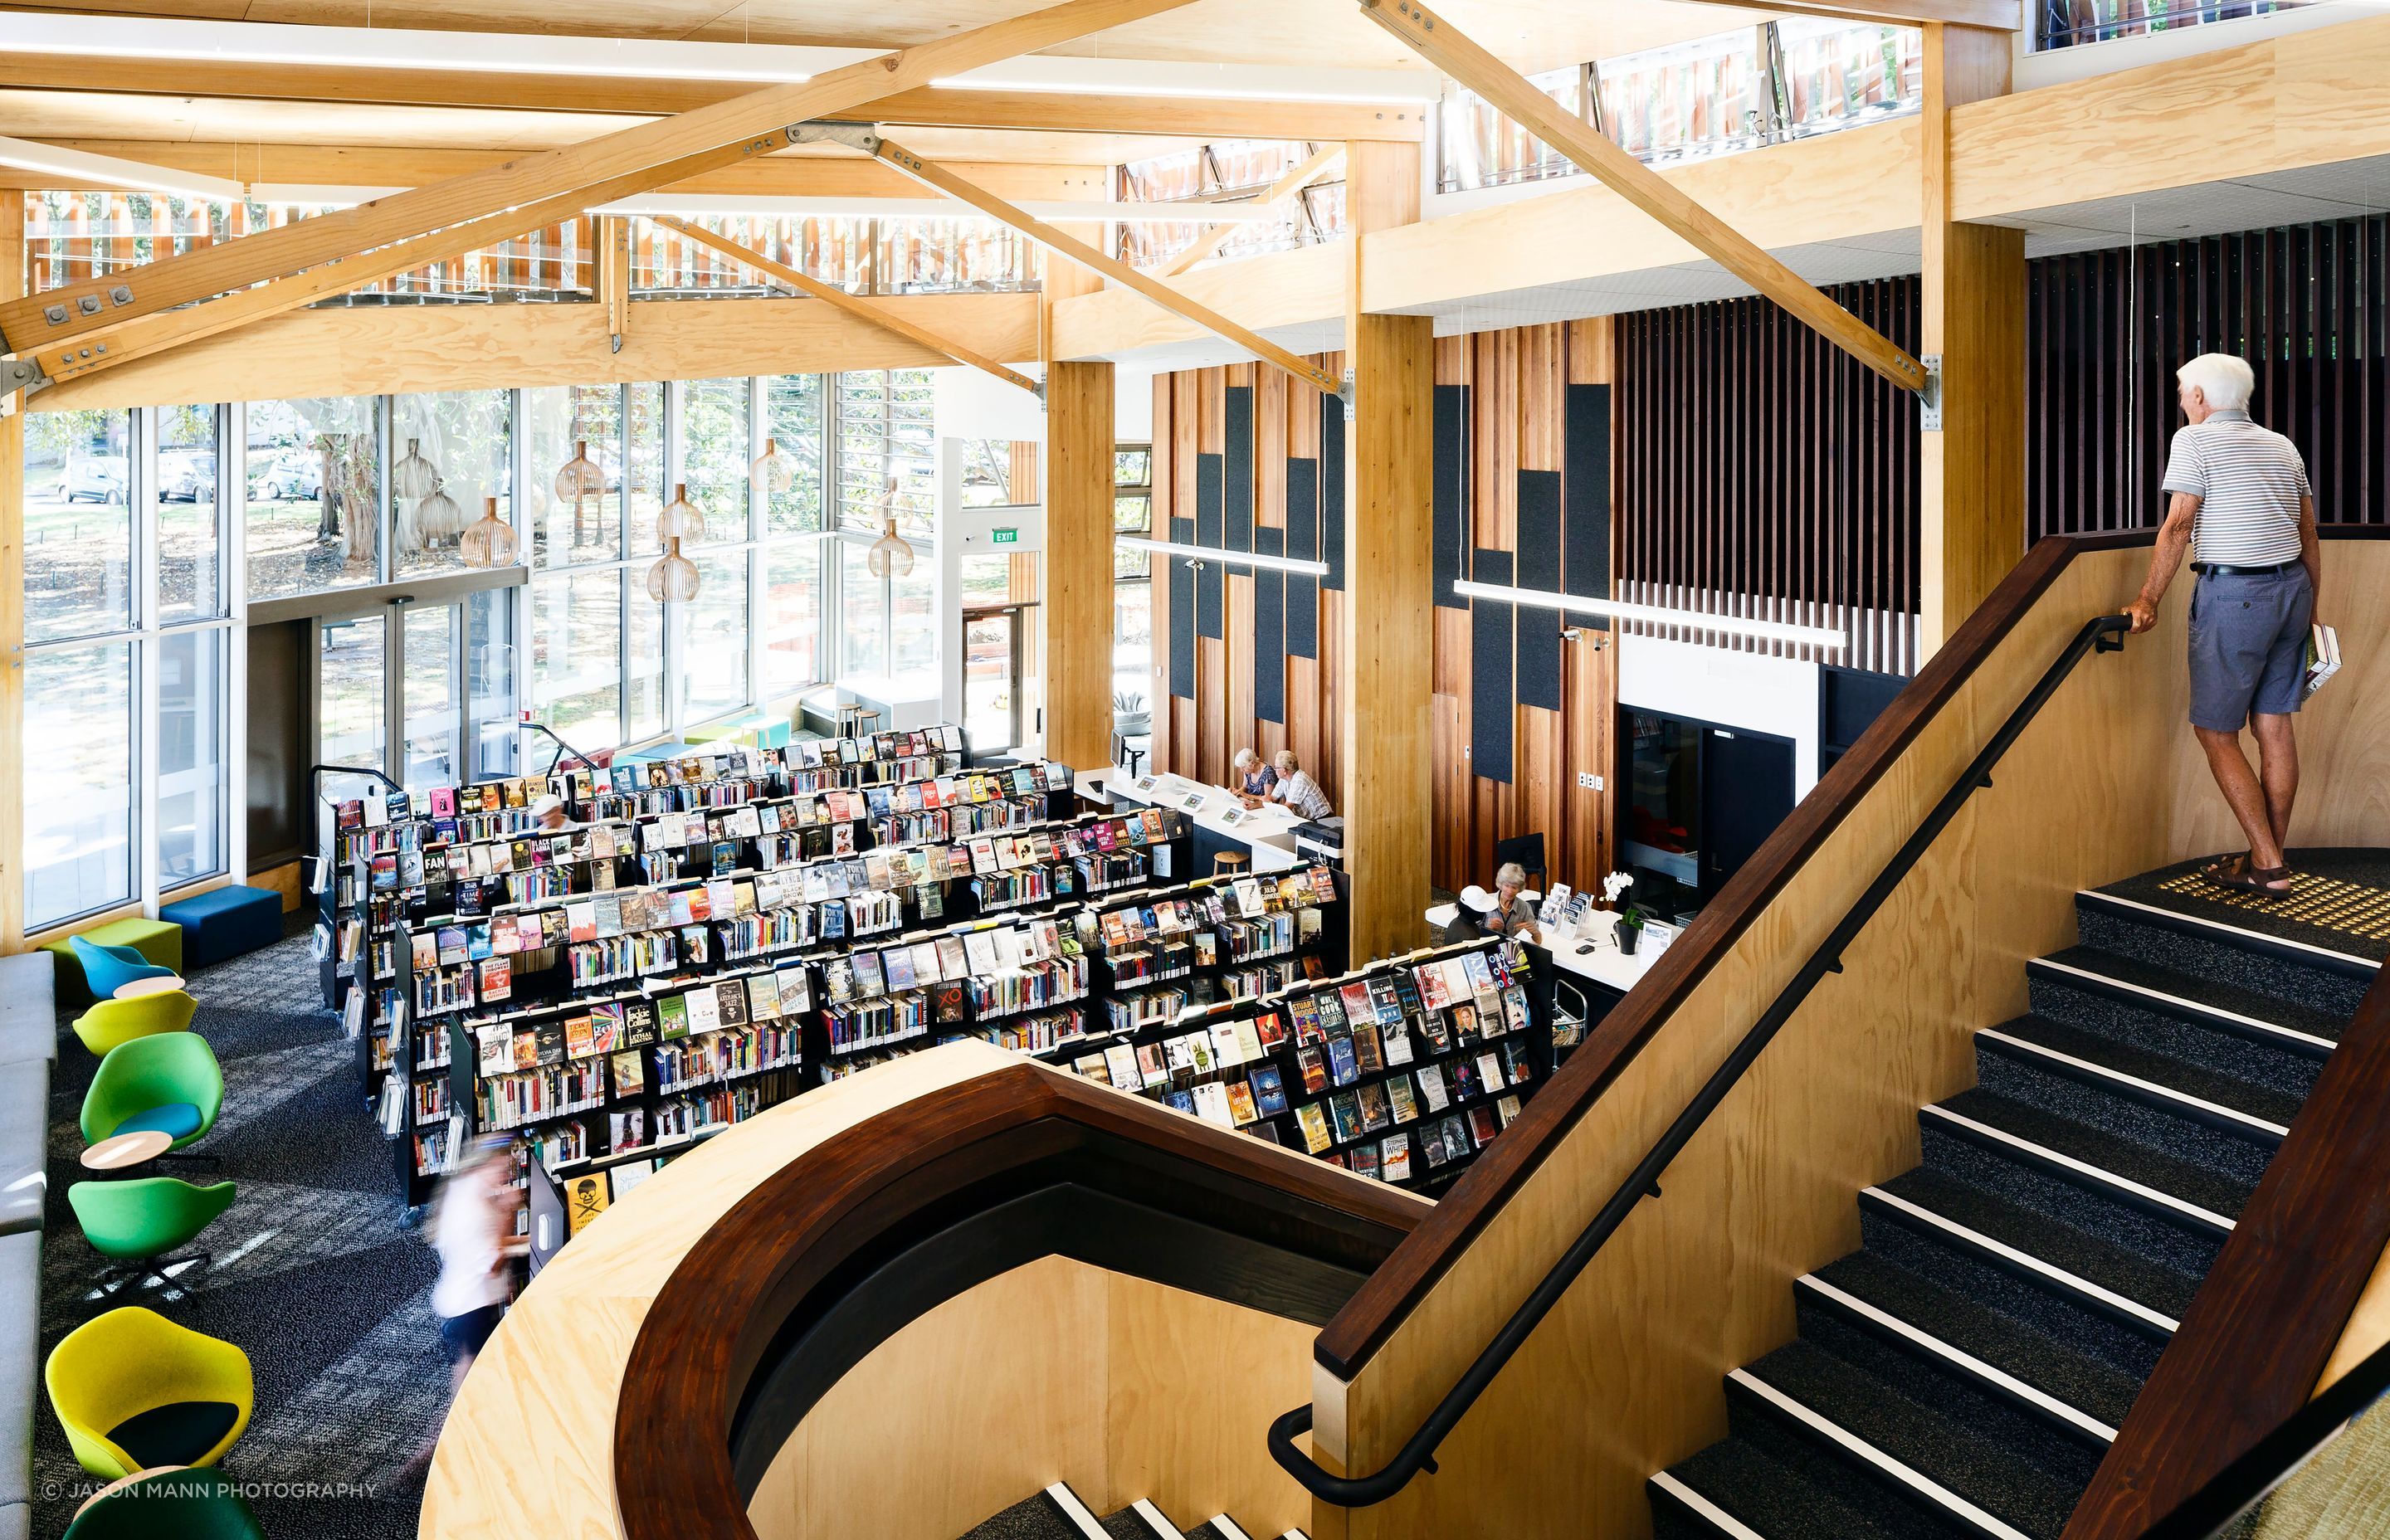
(1587, 781)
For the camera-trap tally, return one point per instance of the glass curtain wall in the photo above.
(128, 656)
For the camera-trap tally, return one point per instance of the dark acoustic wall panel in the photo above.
(1331, 489)
(1450, 497)
(1182, 613)
(1269, 631)
(1238, 533)
(1208, 470)
(1585, 510)
(1540, 566)
(1490, 626)
(1302, 540)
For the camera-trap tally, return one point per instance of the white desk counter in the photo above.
(1267, 830)
(1600, 961)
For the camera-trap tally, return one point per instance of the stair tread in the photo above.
(2175, 1074)
(1034, 1518)
(2092, 1258)
(1773, 1496)
(1942, 1449)
(2121, 1157)
(2097, 1388)
(1126, 1526)
(2234, 998)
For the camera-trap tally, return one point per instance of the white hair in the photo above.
(1510, 872)
(1286, 761)
(2224, 378)
(1244, 757)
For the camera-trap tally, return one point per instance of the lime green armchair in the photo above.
(188, 1504)
(169, 1082)
(140, 1222)
(134, 1390)
(109, 1023)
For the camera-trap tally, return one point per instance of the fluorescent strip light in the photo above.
(1691, 619)
(198, 42)
(1227, 558)
(1153, 77)
(77, 167)
(767, 206)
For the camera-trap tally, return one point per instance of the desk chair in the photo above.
(134, 1390)
(1528, 850)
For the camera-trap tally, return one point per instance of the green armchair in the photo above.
(141, 1221)
(169, 1082)
(188, 1504)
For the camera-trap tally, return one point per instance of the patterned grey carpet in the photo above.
(316, 1271)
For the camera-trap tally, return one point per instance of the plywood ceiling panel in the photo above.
(1533, 34)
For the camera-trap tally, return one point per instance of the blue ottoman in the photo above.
(226, 922)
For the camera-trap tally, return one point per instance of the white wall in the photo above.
(1732, 689)
(975, 405)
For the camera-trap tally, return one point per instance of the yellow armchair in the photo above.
(133, 1391)
(109, 1023)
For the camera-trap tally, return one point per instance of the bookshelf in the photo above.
(1402, 1071)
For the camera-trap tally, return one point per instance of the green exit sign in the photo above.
(1006, 537)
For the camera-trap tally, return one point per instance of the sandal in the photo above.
(2237, 874)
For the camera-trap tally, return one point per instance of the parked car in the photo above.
(296, 473)
(95, 478)
(186, 476)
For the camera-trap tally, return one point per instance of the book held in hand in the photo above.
(2323, 659)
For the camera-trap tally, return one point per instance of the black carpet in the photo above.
(316, 1271)
(2339, 899)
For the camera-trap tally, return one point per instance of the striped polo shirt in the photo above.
(2248, 480)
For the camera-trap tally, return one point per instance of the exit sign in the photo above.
(1006, 537)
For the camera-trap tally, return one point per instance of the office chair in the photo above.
(1528, 850)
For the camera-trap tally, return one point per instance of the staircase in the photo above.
(1964, 1372)
(1058, 1513)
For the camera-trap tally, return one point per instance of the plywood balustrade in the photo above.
(1520, 414)
(1699, 1281)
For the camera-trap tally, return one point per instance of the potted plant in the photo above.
(1630, 930)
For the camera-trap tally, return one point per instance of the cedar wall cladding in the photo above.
(1247, 460)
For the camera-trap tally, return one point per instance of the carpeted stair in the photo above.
(1058, 1513)
(1964, 1373)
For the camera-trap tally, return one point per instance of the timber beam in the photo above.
(1283, 188)
(1595, 152)
(627, 162)
(929, 173)
(2007, 15)
(860, 308)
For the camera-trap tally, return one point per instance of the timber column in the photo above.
(1388, 652)
(1075, 607)
(1972, 472)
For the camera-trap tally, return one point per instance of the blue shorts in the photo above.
(2248, 645)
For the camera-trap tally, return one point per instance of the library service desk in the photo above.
(1591, 952)
(1267, 833)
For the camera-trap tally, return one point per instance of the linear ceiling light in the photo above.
(1691, 619)
(1227, 558)
(1153, 77)
(78, 168)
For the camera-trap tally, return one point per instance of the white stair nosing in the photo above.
(1075, 1512)
(1960, 1359)
(2060, 1275)
(2150, 1088)
(2100, 1174)
(2197, 1007)
(1161, 1527)
(1227, 1529)
(1294, 1534)
(1916, 1481)
(2259, 937)
(1726, 1524)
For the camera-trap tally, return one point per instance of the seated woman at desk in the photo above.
(1500, 913)
(1253, 780)
(1296, 790)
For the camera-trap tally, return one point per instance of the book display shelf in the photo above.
(1402, 1071)
(588, 1020)
(1164, 952)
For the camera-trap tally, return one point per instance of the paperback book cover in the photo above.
(1395, 1158)
(1315, 1068)
(1342, 1067)
(1431, 1085)
(1400, 1101)
(1269, 1091)
(1346, 1107)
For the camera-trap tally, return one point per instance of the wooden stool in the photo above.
(867, 721)
(1230, 863)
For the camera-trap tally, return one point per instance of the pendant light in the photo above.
(772, 472)
(888, 555)
(673, 580)
(681, 519)
(437, 512)
(579, 476)
(491, 541)
(414, 476)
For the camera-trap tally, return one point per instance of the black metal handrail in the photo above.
(562, 748)
(1417, 1454)
(316, 771)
